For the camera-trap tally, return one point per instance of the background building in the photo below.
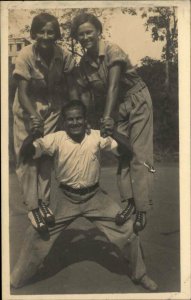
(15, 45)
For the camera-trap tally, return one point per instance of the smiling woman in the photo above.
(42, 71)
(45, 40)
(108, 80)
(45, 30)
(88, 35)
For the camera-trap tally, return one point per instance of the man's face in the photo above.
(75, 123)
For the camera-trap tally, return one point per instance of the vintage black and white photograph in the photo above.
(93, 102)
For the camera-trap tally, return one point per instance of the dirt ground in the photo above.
(83, 262)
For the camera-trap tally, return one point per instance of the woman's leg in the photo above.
(123, 173)
(141, 137)
(45, 166)
(27, 173)
(136, 122)
(124, 179)
(45, 163)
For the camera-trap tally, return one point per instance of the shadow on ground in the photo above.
(66, 252)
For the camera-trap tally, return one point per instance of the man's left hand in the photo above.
(107, 126)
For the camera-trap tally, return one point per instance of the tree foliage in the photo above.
(165, 106)
(162, 22)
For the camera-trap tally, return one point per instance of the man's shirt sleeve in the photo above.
(46, 145)
(109, 144)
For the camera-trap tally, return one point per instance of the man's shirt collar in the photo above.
(74, 142)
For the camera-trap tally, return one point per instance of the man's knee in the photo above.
(127, 226)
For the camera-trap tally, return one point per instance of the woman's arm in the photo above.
(72, 89)
(113, 88)
(35, 119)
(24, 98)
(107, 123)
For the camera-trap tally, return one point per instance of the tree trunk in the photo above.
(168, 43)
(72, 46)
(167, 83)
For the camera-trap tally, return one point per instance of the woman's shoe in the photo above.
(37, 220)
(46, 213)
(122, 217)
(140, 221)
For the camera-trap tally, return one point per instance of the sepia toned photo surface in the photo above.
(96, 149)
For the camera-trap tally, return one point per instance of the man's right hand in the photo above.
(36, 127)
(27, 149)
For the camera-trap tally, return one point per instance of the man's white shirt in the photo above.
(76, 164)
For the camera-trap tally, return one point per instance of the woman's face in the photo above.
(88, 35)
(46, 36)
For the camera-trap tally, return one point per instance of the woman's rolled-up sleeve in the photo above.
(22, 67)
(116, 55)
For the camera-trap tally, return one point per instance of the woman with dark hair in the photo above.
(108, 83)
(42, 71)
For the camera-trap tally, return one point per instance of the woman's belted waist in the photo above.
(81, 191)
(136, 88)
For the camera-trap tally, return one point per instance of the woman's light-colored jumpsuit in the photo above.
(48, 92)
(134, 116)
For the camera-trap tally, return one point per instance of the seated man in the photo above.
(77, 169)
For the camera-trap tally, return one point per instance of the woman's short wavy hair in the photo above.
(81, 19)
(40, 21)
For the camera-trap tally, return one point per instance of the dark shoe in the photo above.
(46, 213)
(37, 220)
(122, 217)
(148, 283)
(140, 221)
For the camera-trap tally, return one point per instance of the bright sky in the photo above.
(127, 31)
